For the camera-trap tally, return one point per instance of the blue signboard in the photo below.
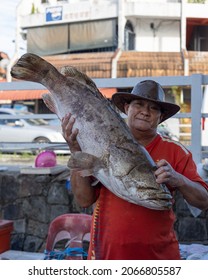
(54, 13)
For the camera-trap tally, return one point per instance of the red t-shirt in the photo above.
(125, 231)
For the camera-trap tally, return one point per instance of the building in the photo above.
(118, 38)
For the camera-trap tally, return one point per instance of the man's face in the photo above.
(143, 115)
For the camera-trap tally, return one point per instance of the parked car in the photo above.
(55, 124)
(26, 130)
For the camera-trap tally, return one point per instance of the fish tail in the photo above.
(33, 68)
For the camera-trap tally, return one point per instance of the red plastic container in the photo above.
(6, 227)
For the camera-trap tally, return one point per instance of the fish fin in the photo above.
(87, 164)
(72, 72)
(96, 181)
(50, 103)
(86, 172)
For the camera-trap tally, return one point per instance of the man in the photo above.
(123, 230)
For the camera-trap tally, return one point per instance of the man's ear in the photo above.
(161, 116)
(126, 108)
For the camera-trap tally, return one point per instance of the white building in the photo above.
(60, 27)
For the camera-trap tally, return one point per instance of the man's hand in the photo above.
(193, 192)
(166, 174)
(69, 135)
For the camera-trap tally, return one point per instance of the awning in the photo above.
(21, 94)
(37, 94)
(108, 92)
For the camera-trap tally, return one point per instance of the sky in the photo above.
(7, 28)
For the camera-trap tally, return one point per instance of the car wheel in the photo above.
(40, 140)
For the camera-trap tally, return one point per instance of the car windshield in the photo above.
(33, 121)
(36, 121)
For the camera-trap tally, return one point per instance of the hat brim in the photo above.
(121, 98)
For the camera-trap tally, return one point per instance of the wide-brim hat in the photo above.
(146, 90)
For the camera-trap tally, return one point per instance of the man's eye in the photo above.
(138, 103)
(155, 108)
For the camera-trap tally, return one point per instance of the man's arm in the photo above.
(193, 192)
(84, 193)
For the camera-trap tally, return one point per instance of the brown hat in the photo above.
(147, 90)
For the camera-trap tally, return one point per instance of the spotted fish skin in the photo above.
(109, 151)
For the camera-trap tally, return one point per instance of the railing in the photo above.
(195, 82)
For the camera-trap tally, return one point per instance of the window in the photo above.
(75, 37)
(129, 36)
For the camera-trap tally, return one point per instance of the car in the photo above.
(55, 124)
(30, 130)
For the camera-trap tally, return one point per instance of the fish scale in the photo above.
(109, 151)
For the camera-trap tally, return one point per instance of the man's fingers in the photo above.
(65, 120)
(74, 135)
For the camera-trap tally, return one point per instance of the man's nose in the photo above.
(145, 109)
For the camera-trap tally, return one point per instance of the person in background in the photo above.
(122, 230)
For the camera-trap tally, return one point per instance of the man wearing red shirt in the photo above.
(122, 230)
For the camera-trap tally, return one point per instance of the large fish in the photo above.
(109, 151)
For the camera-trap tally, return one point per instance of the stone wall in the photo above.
(33, 201)
(190, 229)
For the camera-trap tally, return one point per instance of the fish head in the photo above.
(132, 178)
(140, 193)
